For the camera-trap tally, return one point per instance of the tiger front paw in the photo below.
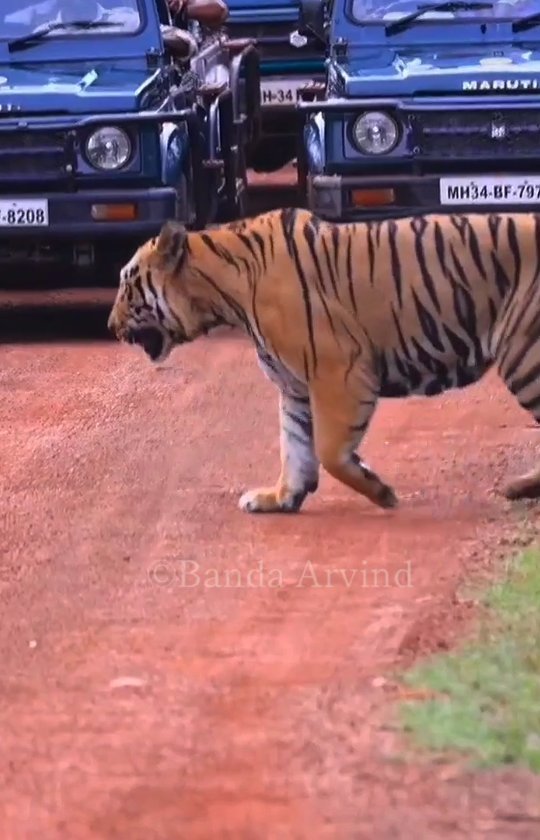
(268, 500)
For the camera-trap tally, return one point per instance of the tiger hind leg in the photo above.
(299, 465)
(341, 419)
(516, 350)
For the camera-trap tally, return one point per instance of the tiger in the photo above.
(341, 314)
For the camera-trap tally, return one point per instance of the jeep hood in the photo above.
(73, 87)
(450, 70)
(269, 11)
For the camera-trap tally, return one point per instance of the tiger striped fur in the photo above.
(343, 314)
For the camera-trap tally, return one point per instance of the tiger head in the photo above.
(157, 306)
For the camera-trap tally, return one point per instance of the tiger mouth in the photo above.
(150, 339)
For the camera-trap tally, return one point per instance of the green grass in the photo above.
(483, 701)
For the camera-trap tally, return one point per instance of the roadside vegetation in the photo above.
(483, 701)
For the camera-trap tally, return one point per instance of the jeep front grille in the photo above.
(30, 155)
(274, 41)
(476, 133)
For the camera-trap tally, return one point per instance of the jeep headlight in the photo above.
(108, 148)
(375, 133)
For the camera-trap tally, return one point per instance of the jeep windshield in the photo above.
(26, 24)
(394, 11)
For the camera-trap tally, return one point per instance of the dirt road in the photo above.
(144, 694)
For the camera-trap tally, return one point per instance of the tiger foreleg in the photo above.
(341, 419)
(299, 465)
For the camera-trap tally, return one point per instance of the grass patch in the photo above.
(483, 701)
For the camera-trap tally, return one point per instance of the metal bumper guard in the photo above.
(348, 197)
(98, 214)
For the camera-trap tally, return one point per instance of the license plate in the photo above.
(281, 91)
(30, 212)
(519, 189)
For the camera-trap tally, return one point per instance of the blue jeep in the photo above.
(430, 107)
(291, 60)
(105, 133)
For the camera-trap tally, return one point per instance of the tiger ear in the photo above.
(170, 245)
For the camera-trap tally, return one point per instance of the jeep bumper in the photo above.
(357, 197)
(91, 233)
(91, 214)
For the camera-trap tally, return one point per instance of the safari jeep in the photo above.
(106, 132)
(430, 107)
(291, 60)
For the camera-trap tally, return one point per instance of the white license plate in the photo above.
(27, 212)
(281, 91)
(504, 189)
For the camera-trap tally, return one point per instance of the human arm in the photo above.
(210, 13)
